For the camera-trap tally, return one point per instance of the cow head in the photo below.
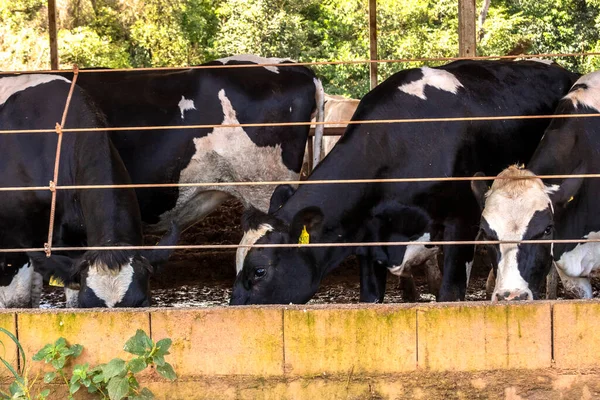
(278, 275)
(107, 278)
(520, 209)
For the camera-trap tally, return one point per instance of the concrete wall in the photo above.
(538, 350)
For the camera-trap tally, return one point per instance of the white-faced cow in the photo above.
(340, 213)
(215, 96)
(83, 217)
(557, 209)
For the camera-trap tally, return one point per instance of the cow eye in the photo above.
(259, 273)
(548, 230)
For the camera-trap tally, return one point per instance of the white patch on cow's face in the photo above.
(110, 285)
(226, 154)
(185, 105)
(250, 237)
(437, 78)
(589, 96)
(257, 60)
(508, 211)
(18, 293)
(469, 267)
(416, 254)
(13, 84)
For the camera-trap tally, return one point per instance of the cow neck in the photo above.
(564, 146)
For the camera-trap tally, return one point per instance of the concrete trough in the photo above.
(537, 350)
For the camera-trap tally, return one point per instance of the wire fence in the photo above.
(60, 129)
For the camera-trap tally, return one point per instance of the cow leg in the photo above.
(552, 283)
(456, 259)
(490, 284)
(434, 277)
(409, 289)
(37, 284)
(372, 280)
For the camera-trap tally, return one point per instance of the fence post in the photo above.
(373, 41)
(467, 42)
(52, 34)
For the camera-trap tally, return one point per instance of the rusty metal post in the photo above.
(52, 32)
(373, 41)
(467, 17)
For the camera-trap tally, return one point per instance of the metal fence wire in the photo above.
(60, 128)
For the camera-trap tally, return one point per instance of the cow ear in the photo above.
(479, 189)
(568, 188)
(56, 269)
(281, 195)
(252, 218)
(158, 256)
(307, 225)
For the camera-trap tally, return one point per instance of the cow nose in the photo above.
(513, 296)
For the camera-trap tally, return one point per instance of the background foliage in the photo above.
(141, 33)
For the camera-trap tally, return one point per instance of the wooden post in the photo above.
(52, 32)
(373, 41)
(467, 42)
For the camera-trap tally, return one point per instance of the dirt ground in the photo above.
(196, 278)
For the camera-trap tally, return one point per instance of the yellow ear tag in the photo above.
(304, 236)
(56, 282)
(571, 199)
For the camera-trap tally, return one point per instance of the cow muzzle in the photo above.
(512, 295)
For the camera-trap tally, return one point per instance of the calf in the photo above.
(83, 217)
(556, 209)
(339, 213)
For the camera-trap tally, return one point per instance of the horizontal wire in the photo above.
(288, 124)
(275, 183)
(352, 244)
(311, 63)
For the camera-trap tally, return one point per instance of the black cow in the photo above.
(83, 217)
(340, 213)
(557, 209)
(208, 97)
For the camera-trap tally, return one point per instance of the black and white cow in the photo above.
(558, 209)
(339, 213)
(83, 217)
(217, 96)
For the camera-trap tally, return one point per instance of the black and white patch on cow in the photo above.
(559, 209)
(342, 213)
(211, 96)
(513, 211)
(82, 217)
(214, 159)
(436, 78)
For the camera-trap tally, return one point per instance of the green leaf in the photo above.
(98, 378)
(138, 344)
(16, 390)
(118, 387)
(163, 346)
(74, 387)
(40, 355)
(136, 365)
(115, 367)
(159, 360)
(76, 350)
(145, 394)
(166, 371)
(44, 393)
(59, 363)
(16, 341)
(49, 377)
